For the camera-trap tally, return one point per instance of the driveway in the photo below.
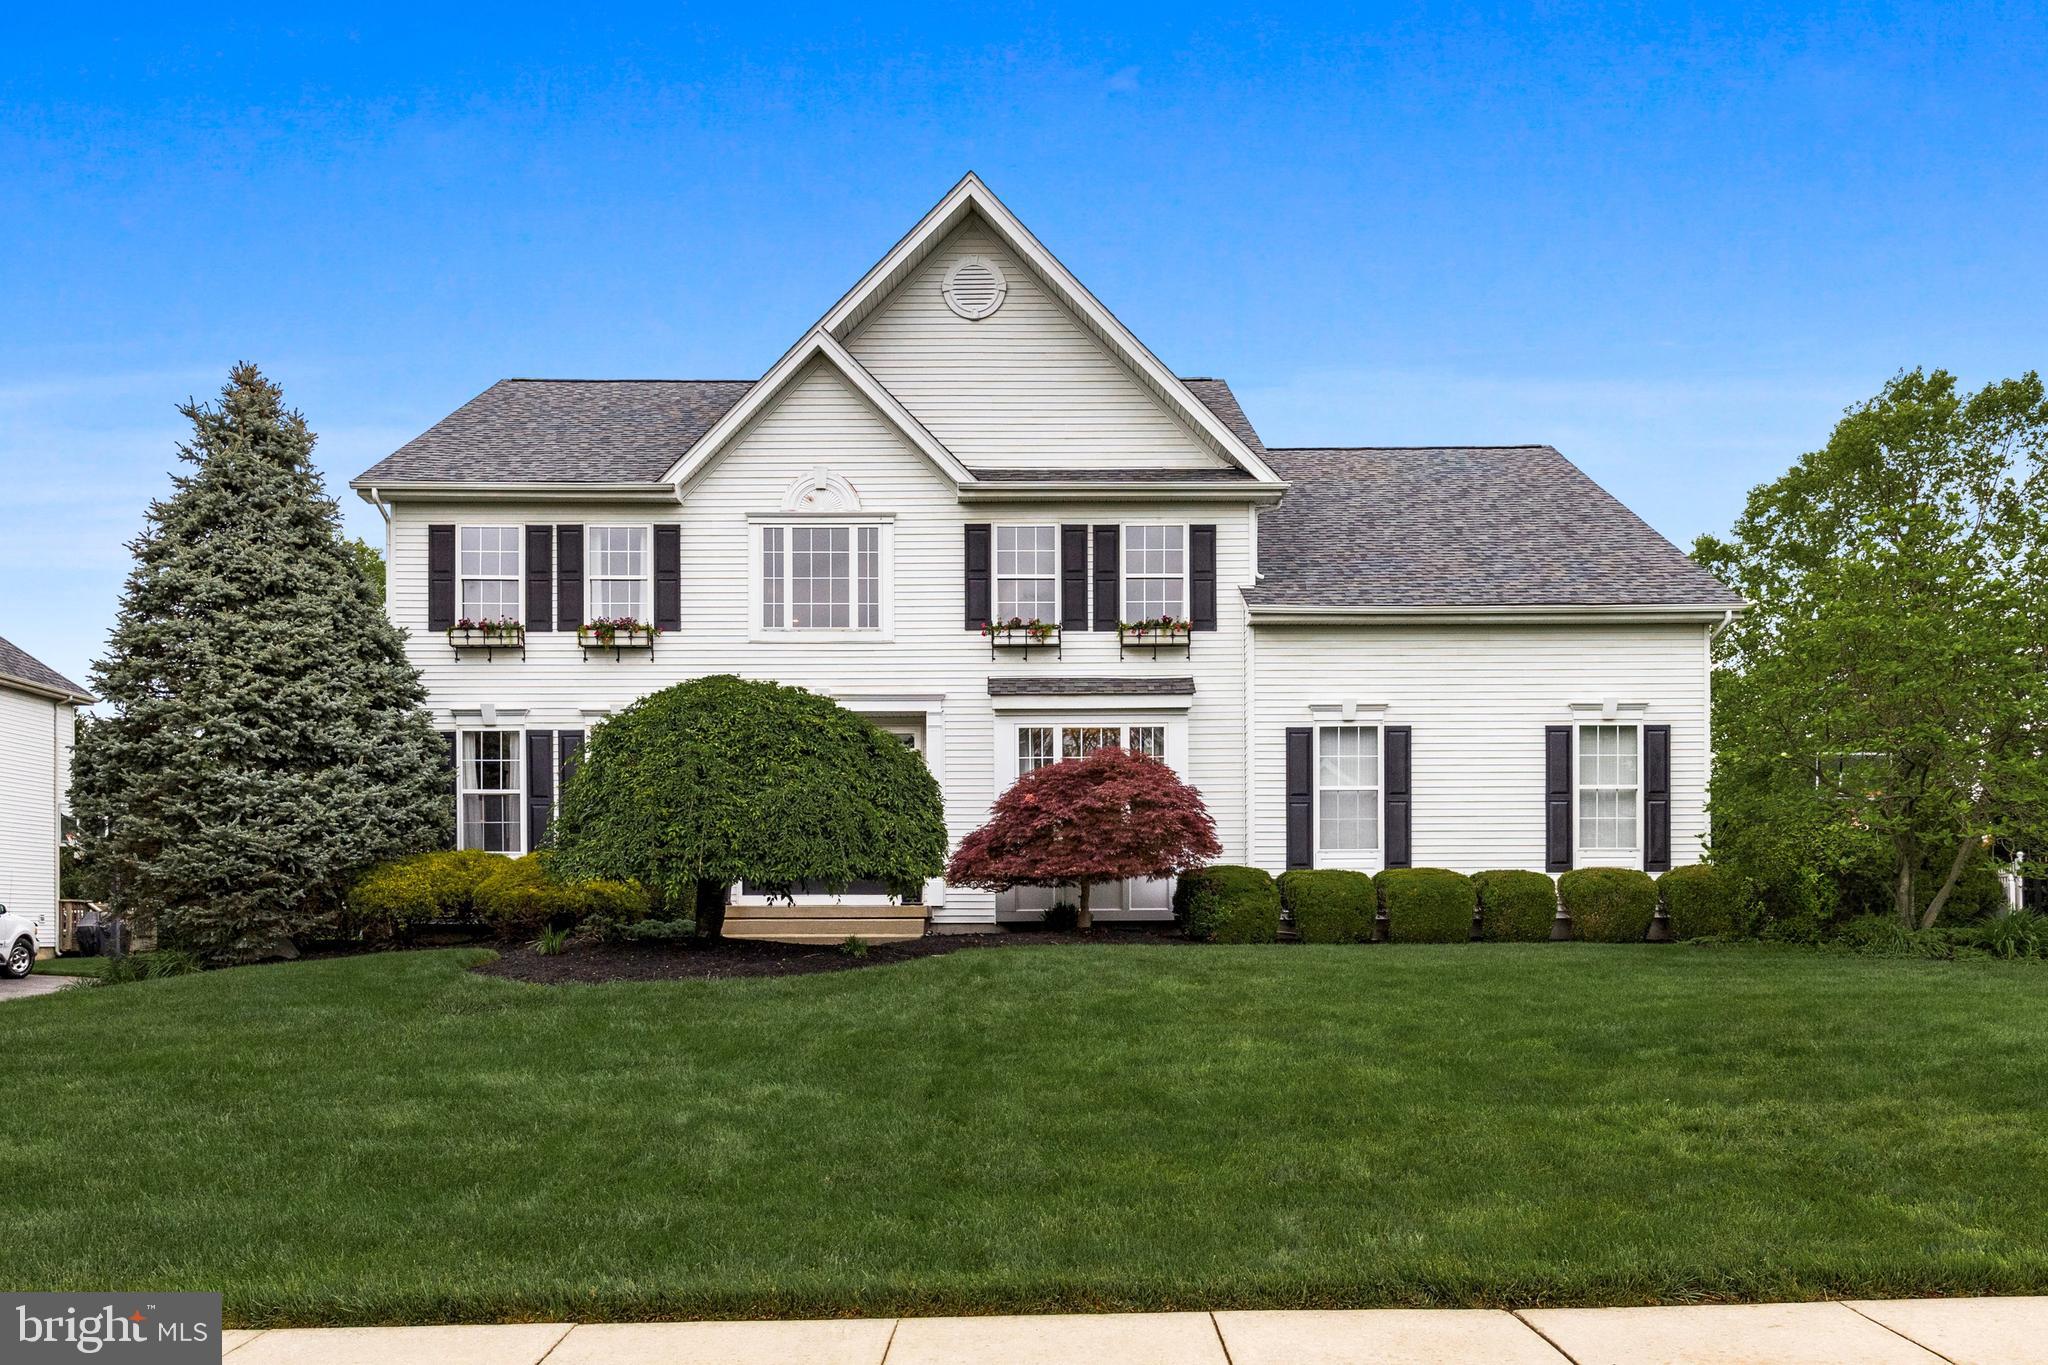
(12, 988)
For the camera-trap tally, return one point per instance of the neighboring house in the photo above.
(1463, 657)
(38, 718)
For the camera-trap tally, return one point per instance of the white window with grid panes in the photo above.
(1155, 574)
(1041, 745)
(491, 775)
(617, 573)
(488, 571)
(1027, 573)
(1609, 789)
(822, 577)
(1347, 793)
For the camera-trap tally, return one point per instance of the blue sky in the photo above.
(1674, 243)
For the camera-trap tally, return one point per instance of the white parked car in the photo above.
(18, 934)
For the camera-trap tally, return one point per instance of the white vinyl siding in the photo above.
(1030, 386)
(1027, 573)
(35, 771)
(617, 573)
(487, 573)
(1479, 699)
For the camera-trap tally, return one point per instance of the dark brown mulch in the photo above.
(724, 958)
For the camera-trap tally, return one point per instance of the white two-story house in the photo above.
(1459, 657)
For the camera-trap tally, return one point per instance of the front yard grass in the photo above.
(393, 1138)
(67, 966)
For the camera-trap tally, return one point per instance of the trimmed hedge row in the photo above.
(1516, 906)
(1328, 905)
(1426, 904)
(1609, 904)
(1228, 904)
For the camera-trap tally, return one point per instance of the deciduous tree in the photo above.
(1111, 815)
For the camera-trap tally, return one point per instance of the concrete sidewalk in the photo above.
(1891, 1332)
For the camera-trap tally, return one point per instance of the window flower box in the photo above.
(617, 634)
(1162, 633)
(488, 636)
(1017, 633)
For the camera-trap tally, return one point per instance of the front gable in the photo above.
(1028, 385)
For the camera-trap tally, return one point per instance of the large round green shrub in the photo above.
(1329, 905)
(1701, 901)
(1426, 904)
(394, 899)
(1516, 905)
(1609, 904)
(722, 780)
(1228, 904)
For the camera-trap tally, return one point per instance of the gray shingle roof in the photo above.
(18, 665)
(1090, 687)
(629, 431)
(563, 431)
(1462, 526)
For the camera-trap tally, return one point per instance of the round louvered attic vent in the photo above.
(975, 287)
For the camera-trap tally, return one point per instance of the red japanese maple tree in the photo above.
(1111, 815)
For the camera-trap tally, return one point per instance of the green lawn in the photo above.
(392, 1138)
(68, 966)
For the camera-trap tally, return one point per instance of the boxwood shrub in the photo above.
(1329, 905)
(1516, 905)
(1426, 904)
(1609, 904)
(1701, 901)
(1228, 904)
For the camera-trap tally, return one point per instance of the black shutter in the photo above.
(980, 604)
(572, 753)
(1656, 798)
(1073, 578)
(1398, 796)
(440, 577)
(540, 785)
(1300, 796)
(1557, 801)
(1108, 598)
(540, 578)
(568, 577)
(1202, 577)
(668, 577)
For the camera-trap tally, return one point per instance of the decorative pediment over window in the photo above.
(821, 491)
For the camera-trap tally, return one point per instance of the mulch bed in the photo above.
(725, 958)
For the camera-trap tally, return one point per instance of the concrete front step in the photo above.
(824, 922)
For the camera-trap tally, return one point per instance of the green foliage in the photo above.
(552, 941)
(1426, 904)
(1516, 905)
(1609, 904)
(1702, 901)
(520, 896)
(647, 930)
(855, 946)
(1224, 903)
(264, 739)
(369, 562)
(1061, 917)
(151, 966)
(1329, 905)
(395, 899)
(1885, 689)
(2017, 937)
(721, 780)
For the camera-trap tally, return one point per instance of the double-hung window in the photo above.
(1155, 572)
(489, 573)
(1610, 788)
(616, 568)
(1027, 573)
(1347, 788)
(490, 773)
(821, 577)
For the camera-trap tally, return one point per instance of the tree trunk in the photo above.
(1082, 919)
(1902, 897)
(1955, 874)
(710, 909)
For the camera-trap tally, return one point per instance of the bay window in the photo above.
(489, 573)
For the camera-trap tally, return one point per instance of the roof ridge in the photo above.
(545, 379)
